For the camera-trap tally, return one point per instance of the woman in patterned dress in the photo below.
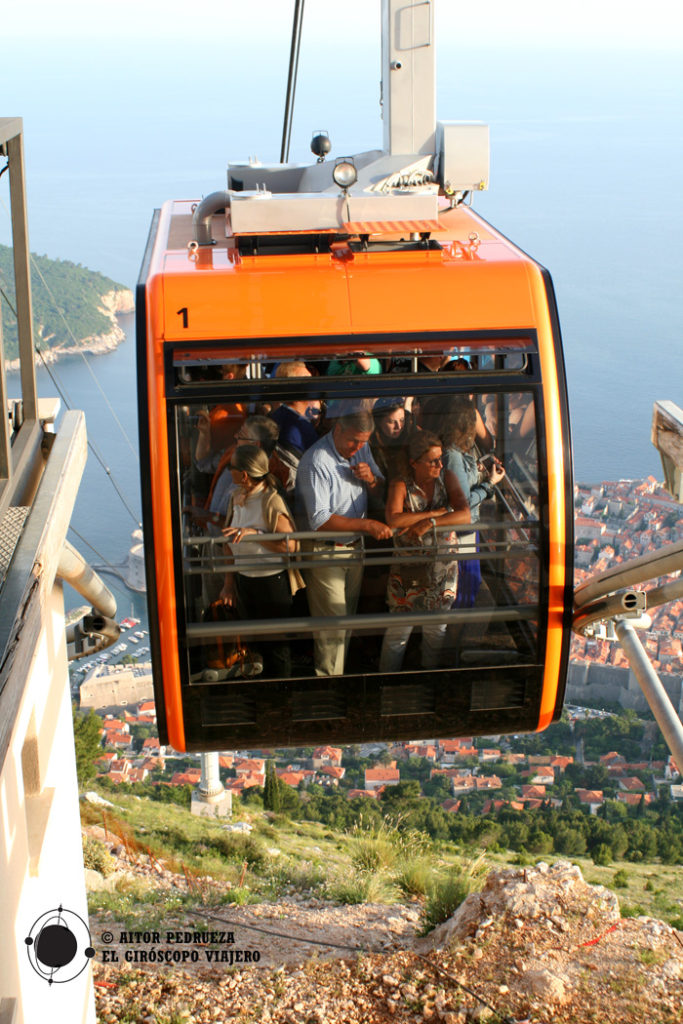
(418, 506)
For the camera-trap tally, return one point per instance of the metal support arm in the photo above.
(656, 696)
(608, 597)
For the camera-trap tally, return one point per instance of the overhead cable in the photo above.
(297, 23)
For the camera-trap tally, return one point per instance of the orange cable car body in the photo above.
(471, 283)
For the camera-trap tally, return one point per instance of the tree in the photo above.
(602, 854)
(272, 797)
(87, 744)
(569, 839)
(140, 733)
(439, 787)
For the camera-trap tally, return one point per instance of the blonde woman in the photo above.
(262, 586)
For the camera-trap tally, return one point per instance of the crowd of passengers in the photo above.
(372, 471)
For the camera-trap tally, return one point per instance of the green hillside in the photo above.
(65, 300)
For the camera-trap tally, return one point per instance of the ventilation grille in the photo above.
(416, 699)
(496, 694)
(234, 709)
(317, 705)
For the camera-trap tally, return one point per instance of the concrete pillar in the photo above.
(210, 798)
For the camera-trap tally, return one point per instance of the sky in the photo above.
(537, 22)
(130, 103)
(126, 87)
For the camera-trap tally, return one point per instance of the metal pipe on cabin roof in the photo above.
(74, 569)
(201, 219)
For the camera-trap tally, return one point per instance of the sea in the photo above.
(586, 160)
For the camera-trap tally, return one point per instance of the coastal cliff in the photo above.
(75, 310)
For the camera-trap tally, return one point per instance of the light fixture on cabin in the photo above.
(345, 174)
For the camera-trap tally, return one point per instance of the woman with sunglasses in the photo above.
(418, 506)
(263, 586)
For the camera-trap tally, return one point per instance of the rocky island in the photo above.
(75, 310)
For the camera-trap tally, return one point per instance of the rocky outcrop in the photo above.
(113, 304)
(116, 302)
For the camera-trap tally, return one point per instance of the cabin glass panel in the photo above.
(440, 439)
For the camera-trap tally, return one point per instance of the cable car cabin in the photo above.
(407, 394)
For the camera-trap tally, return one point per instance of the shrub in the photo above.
(238, 896)
(621, 879)
(235, 846)
(602, 855)
(97, 857)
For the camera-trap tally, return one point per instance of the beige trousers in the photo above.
(333, 591)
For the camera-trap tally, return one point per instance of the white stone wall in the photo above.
(41, 862)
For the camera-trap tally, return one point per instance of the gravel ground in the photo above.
(538, 945)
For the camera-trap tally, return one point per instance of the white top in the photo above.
(251, 553)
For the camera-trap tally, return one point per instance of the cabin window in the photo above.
(436, 442)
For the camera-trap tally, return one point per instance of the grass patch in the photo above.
(361, 887)
(286, 876)
(444, 897)
(367, 864)
(632, 910)
(652, 957)
(373, 853)
(414, 876)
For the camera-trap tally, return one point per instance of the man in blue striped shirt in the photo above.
(335, 477)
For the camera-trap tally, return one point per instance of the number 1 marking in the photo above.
(183, 312)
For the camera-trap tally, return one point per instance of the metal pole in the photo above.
(654, 691)
(22, 275)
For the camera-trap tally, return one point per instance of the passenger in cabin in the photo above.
(256, 430)
(337, 476)
(419, 505)
(389, 441)
(477, 479)
(358, 364)
(216, 429)
(263, 585)
(485, 437)
(296, 426)
(521, 417)
(297, 432)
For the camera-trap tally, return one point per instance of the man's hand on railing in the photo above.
(380, 531)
